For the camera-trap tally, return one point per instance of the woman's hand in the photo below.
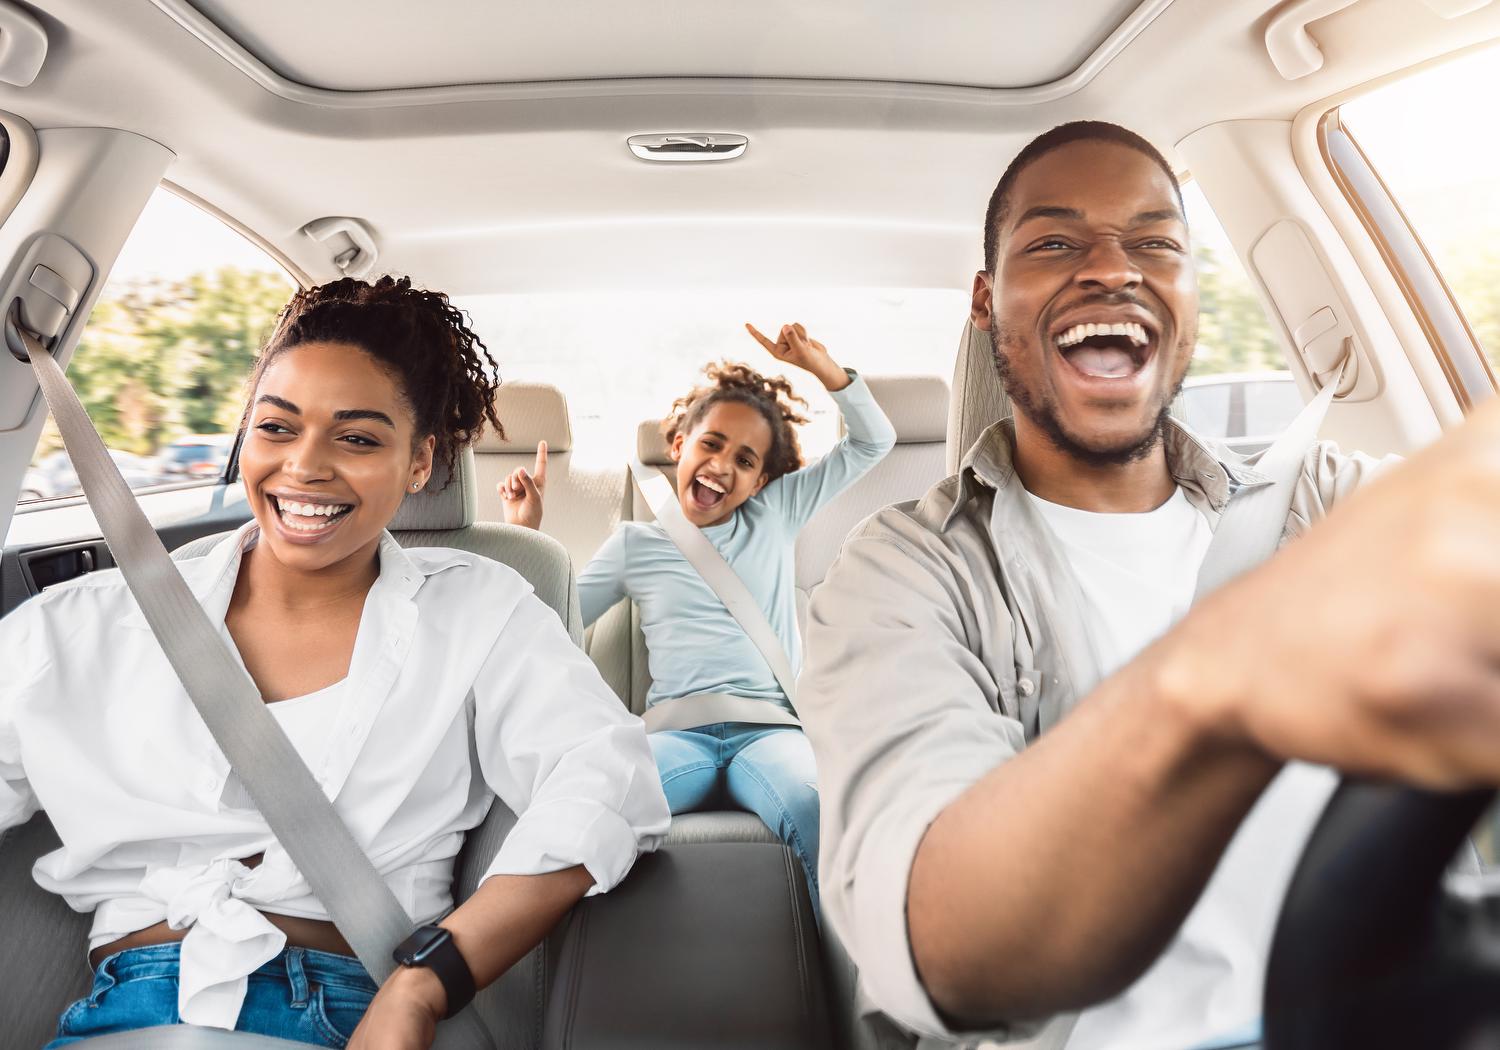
(404, 1014)
(794, 347)
(521, 493)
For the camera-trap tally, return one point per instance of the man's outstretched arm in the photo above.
(1009, 884)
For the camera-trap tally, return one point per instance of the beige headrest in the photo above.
(454, 506)
(917, 406)
(650, 446)
(531, 412)
(977, 399)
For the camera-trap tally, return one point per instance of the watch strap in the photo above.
(433, 947)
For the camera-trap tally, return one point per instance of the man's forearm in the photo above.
(1057, 879)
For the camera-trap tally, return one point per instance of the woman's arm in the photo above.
(559, 749)
(493, 930)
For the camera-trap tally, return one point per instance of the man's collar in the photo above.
(1194, 464)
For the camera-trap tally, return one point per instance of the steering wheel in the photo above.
(1371, 950)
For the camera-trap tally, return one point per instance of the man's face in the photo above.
(1093, 307)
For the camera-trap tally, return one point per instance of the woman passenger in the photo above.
(367, 655)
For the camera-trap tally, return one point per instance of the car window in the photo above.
(621, 358)
(1207, 408)
(161, 363)
(1422, 135)
(1234, 333)
(1270, 406)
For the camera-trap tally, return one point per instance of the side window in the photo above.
(1238, 389)
(1433, 204)
(169, 343)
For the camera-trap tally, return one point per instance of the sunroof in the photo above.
(369, 45)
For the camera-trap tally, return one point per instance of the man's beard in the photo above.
(1042, 412)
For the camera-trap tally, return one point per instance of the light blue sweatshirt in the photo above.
(694, 645)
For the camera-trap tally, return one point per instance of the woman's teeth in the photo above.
(1136, 333)
(309, 517)
(710, 483)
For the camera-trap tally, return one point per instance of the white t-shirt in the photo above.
(1137, 573)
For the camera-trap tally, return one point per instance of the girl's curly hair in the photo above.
(771, 396)
(422, 339)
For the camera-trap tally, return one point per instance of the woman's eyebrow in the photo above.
(345, 414)
(279, 402)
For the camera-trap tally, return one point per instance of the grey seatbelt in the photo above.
(1251, 527)
(300, 815)
(721, 578)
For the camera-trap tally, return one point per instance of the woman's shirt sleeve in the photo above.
(559, 749)
(25, 666)
(602, 582)
(868, 437)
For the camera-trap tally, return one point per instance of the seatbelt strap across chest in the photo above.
(1251, 526)
(720, 576)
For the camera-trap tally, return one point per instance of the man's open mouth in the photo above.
(706, 493)
(310, 518)
(1106, 351)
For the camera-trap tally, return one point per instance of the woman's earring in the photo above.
(415, 485)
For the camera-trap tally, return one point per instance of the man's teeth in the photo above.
(1136, 333)
(710, 483)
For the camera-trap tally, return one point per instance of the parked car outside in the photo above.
(1244, 410)
(195, 456)
(54, 477)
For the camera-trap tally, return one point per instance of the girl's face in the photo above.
(721, 462)
(328, 456)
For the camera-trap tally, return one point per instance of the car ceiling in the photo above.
(486, 148)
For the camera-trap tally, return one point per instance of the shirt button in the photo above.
(1026, 686)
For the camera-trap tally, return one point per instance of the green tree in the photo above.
(162, 358)
(1233, 332)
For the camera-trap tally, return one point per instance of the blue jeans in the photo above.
(301, 995)
(767, 770)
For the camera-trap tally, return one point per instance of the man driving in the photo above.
(1048, 812)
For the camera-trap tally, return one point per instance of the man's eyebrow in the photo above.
(279, 402)
(1050, 211)
(346, 414)
(1146, 218)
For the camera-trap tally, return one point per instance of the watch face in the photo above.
(424, 939)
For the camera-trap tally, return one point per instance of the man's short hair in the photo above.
(1045, 143)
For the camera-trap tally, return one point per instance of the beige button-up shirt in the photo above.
(947, 636)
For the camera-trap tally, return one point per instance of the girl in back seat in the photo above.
(740, 479)
(384, 666)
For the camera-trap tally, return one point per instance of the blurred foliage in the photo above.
(160, 359)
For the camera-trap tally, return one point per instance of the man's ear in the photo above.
(981, 303)
(675, 448)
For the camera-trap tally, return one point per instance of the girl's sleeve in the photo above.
(25, 664)
(868, 437)
(558, 747)
(602, 582)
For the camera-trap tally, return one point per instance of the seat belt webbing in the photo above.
(283, 789)
(720, 576)
(1251, 526)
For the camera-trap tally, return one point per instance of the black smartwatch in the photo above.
(433, 947)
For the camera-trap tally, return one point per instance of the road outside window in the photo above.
(162, 362)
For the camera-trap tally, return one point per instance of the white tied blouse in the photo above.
(96, 730)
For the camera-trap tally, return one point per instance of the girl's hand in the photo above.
(521, 493)
(404, 1014)
(795, 348)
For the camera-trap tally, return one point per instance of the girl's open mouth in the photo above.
(706, 493)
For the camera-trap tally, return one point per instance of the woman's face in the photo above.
(328, 455)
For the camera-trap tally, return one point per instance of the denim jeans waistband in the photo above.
(162, 960)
